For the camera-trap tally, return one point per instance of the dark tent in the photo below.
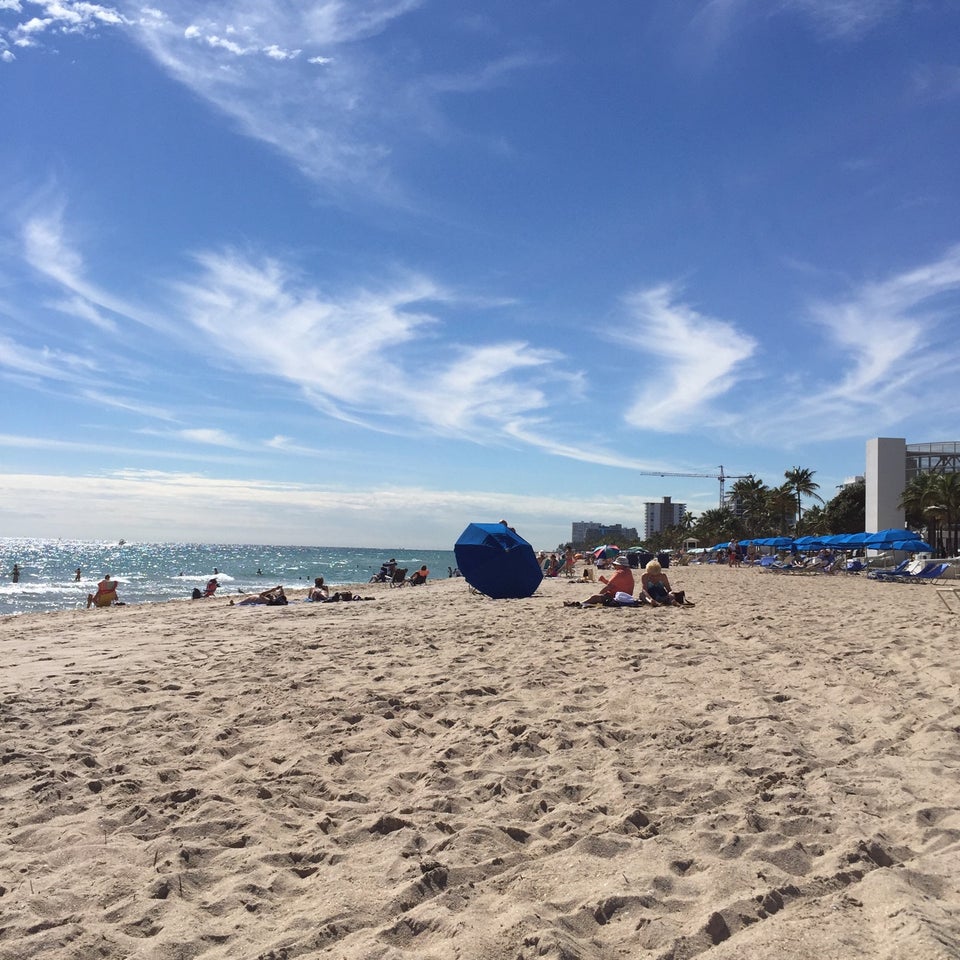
(496, 561)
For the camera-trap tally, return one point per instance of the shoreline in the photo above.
(772, 773)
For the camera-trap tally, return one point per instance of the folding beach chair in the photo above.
(950, 596)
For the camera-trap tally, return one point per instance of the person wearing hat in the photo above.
(620, 582)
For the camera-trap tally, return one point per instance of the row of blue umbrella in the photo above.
(893, 538)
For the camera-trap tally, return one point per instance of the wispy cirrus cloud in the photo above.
(844, 19)
(44, 363)
(310, 80)
(890, 353)
(297, 77)
(699, 359)
(716, 21)
(47, 248)
(349, 353)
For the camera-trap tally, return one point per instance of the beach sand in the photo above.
(773, 773)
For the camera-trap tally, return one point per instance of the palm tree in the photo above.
(800, 481)
(751, 495)
(915, 502)
(931, 501)
(717, 525)
(944, 494)
(781, 505)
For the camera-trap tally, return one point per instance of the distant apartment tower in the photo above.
(659, 516)
(586, 534)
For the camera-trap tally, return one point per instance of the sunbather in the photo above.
(106, 594)
(319, 592)
(274, 597)
(621, 581)
(655, 588)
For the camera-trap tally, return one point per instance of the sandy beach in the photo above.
(773, 773)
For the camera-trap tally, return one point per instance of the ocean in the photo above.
(158, 572)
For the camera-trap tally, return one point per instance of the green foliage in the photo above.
(846, 512)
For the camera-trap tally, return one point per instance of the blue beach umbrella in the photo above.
(850, 541)
(498, 562)
(884, 539)
(911, 546)
(778, 542)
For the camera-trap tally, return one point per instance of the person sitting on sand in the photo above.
(106, 593)
(420, 576)
(655, 588)
(319, 592)
(274, 597)
(621, 581)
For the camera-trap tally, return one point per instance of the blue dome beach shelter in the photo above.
(498, 562)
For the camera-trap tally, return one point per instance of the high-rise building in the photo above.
(659, 516)
(586, 534)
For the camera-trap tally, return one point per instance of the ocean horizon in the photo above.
(158, 572)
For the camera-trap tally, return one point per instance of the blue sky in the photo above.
(361, 272)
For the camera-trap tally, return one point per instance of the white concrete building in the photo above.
(891, 464)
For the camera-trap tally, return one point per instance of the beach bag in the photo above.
(197, 593)
(623, 599)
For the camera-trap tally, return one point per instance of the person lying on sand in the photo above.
(274, 597)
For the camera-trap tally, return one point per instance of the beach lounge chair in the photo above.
(929, 572)
(895, 572)
(399, 577)
(933, 574)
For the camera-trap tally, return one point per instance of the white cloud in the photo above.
(891, 353)
(125, 403)
(47, 249)
(716, 21)
(276, 53)
(156, 505)
(351, 354)
(57, 17)
(845, 18)
(937, 81)
(46, 363)
(210, 436)
(699, 358)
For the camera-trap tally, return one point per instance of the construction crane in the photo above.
(721, 476)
